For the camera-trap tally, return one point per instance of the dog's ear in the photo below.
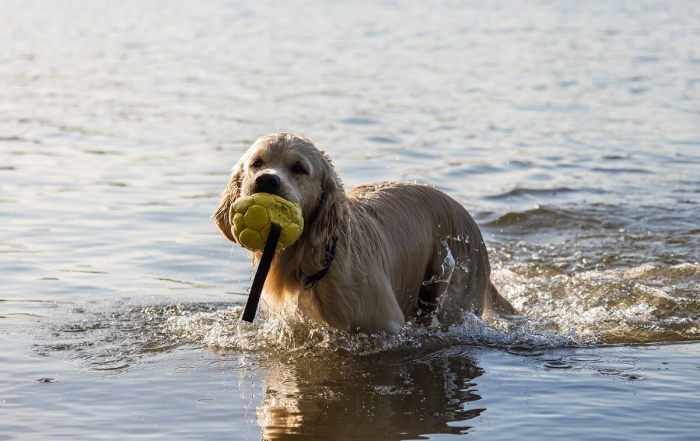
(228, 197)
(324, 224)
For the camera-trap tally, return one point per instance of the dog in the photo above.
(369, 260)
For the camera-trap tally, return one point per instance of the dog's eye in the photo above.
(257, 163)
(298, 169)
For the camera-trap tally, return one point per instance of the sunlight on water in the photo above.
(639, 305)
(568, 129)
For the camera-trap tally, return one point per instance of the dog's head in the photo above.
(292, 167)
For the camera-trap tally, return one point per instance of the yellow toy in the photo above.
(251, 217)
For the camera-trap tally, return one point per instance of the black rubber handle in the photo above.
(251, 306)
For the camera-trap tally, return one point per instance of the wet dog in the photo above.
(373, 258)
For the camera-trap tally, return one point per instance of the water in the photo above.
(570, 131)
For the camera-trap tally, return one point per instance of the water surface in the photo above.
(570, 132)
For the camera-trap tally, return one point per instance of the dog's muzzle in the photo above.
(268, 183)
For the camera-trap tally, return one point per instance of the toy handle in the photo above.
(251, 306)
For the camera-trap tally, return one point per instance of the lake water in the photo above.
(571, 131)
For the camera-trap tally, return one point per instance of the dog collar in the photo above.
(329, 255)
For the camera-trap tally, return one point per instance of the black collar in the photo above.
(310, 281)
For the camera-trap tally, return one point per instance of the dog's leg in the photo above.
(388, 316)
(464, 294)
(435, 282)
(470, 288)
(453, 284)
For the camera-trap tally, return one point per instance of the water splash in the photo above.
(644, 304)
(298, 336)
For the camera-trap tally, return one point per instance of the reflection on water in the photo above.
(395, 396)
(338, 386)
(420, 386)
(329, 385)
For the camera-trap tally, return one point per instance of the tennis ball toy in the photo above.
(252, 216)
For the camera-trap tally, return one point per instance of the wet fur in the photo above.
(405, 251)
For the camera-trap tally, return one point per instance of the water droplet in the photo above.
(524, 351)
(47, 380)
(557, 364)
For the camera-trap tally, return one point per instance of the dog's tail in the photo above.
(497, 305)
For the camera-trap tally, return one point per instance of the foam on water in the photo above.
(224, 330)
(649, 303)
(639, 305)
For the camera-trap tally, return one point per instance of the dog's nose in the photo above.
(267, 183)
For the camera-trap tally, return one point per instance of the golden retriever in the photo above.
(371, 259)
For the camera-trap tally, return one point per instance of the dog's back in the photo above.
(429, 245)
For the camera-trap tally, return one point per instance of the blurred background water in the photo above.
(571, 131)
